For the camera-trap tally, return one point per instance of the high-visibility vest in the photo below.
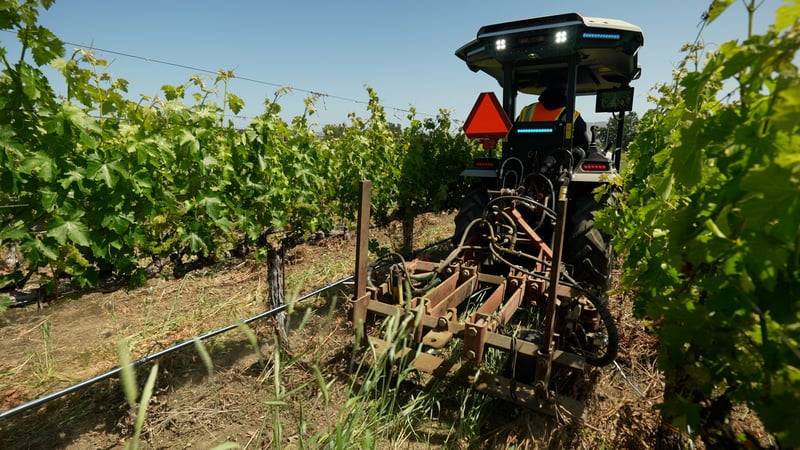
(537, 113)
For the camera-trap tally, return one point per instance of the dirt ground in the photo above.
(194, 405)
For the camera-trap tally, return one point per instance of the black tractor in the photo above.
(550, 149)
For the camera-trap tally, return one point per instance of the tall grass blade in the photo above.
(204, 355)
(323, 387)
(251, 337)
(127, 373)
(144, 402)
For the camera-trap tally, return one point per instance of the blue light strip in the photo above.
(610, 36)
(535, 130)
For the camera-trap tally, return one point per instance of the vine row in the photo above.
(93, 183)
(710, 230)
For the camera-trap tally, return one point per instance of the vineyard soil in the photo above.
(74, 339)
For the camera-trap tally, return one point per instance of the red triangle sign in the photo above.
(487, 120)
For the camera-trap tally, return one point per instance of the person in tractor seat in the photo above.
(550, 107)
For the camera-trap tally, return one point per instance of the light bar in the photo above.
(561, 37)
(595, 166)
(540, 130)
(485, 164)
(500, 44)
(608, 36)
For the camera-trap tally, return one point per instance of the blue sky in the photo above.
(403, 49)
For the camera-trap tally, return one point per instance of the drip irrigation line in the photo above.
(153, 356)
(627, 380)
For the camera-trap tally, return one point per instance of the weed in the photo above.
(128, 379)
(204, 356)
(251, 337)
(44, 367)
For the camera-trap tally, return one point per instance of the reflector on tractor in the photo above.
(487, 121)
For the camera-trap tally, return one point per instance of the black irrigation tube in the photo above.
(151, 357)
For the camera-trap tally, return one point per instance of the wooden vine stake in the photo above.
(276, 297)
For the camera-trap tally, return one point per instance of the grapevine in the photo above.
(711, 232)
(95, 185)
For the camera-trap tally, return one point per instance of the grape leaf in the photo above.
(786, 15)
(68, 230)
(716, 8)
(769, 187)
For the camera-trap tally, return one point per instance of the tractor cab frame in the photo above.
(588, 55)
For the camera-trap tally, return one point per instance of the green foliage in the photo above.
(93, 183)
(430, 180)
(368, 149)
(431, 165)
(711, 228)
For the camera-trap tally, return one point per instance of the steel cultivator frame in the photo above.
(543, 320)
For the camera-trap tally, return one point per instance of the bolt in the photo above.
(470, 354)
(465, 273)
(472, 332)
(442, 322)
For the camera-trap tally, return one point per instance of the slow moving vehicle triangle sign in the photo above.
(487, 121)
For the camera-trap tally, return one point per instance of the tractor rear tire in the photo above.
(588, 250)
(472, 206)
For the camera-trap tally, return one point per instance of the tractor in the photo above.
(576, 56)
(528, 272)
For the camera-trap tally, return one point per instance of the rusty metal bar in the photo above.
(454, 298)
(361, 298)
(442, 290)
(477, 324)
(517, 290)
(544, 360)
(531, 233)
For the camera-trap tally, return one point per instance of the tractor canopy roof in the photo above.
(538, 51)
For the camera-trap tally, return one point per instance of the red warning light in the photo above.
(595, 166)
(487, 120)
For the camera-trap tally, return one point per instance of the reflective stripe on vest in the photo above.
(535, 113)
